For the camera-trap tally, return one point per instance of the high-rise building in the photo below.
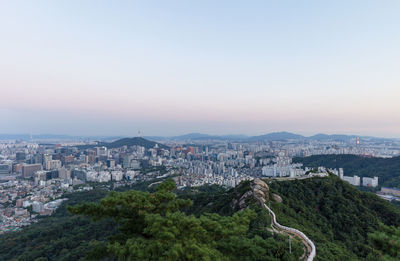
(370, 182)
(66, 160)
(117, 175)
(341, 173)
(64, 173)
(110, 163)
(4, 169)
(29, 169)
(40, 176)
(17, 168)
(37, 206)
(53, 164)
(101, 151)
(355, 180)
(20, 156)
(46, 158)
(78, 174)
(37, 159)
(83, 158)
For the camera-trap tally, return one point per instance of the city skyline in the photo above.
(96, 68)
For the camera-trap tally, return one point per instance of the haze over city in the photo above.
(226, 67)
(199, 130)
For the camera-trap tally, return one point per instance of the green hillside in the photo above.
(136, 141)
(387, 169)
(154, 228)
(335, 215)
(343, 222)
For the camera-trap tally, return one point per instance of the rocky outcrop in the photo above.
(276, 198)
(259, 192)
(242, 201)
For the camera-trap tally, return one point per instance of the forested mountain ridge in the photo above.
(150, 224)
(135, 141)
(387, 169)
(343, 222)
(335, 215)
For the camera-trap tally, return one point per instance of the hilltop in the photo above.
(275, 136)
(343, 222)
(335, 215)
(136, 141)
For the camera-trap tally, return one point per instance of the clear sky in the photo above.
(219, 67)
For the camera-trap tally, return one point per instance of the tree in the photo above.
(386, 243)
(152, 227)
(30, 210)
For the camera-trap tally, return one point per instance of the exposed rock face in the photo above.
(276, 198)
(259, 192)
(242, 200)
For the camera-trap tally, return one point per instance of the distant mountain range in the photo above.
(274, 136)
(199, 136)
(277, 136)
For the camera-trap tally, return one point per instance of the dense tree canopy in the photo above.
(200, 224)
(387, 169)
(152, 227)
(386, 242)
(334, 214)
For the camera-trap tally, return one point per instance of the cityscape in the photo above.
(36, 176)
(170, 130)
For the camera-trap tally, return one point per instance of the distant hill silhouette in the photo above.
(274, 136)
(194, 136)
(200, 136)
(136, 141)
(278, 136)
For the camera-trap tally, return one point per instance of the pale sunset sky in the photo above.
(219, 67)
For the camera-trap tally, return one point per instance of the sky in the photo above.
(219, 67)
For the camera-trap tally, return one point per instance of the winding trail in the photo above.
(311, 249)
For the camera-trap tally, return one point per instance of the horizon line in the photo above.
(194, 133)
